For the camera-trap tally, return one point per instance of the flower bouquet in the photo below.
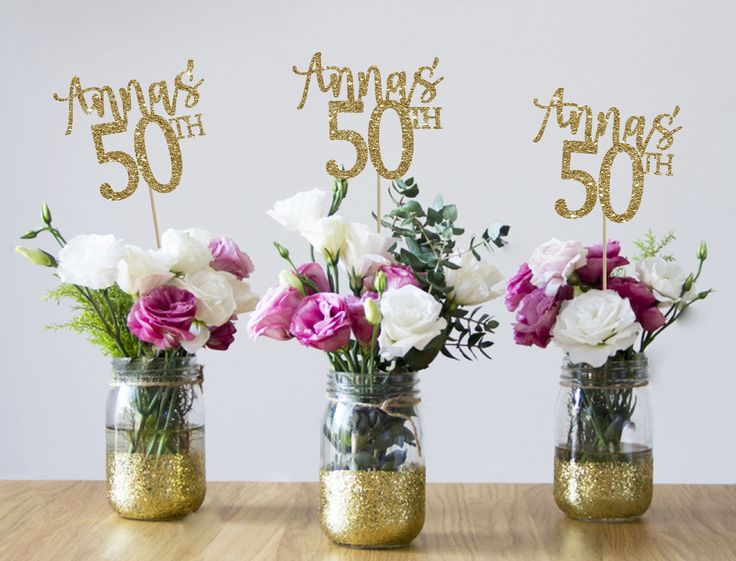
(584, 300)
(411, 293)
(151, 310)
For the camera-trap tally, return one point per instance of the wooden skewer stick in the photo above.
(605, 255)
(155, 218)
(378, 202)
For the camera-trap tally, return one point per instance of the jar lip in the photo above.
(355, 385)
(628, 370)
(156, 367)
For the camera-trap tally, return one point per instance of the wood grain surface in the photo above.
(70, 521)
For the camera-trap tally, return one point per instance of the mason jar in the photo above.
(372, 477)
(603, 451)
(155, 438)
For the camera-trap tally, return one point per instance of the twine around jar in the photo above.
(389, 406)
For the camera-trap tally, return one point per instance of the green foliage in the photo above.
(428, 244)
(101, 315)
(472, 334)
(362, 440)
(649, 246)
(428, 236)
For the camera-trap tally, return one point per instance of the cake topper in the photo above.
(104, 102)
(408, 99)
(647, 146)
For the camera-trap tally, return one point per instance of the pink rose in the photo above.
(642, 301)
(553, 262)
(535, 319)
(274, 312)
(227, 256)
(315, 273)
(322, 321)
(222, 337)
(592, 272)
(396, 277)
(519, 286)
(163, 317)
(362, 329)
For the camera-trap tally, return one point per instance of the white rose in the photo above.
(665, 279)
(595, 326)
(327, 236)
(200, 234)
(201, 336)
(90, 260)
(142, 270)
(365, 250)
(411, 319)
(215, 299)
(302, 210)
(553, 262)
(473, 282)
(245, 298)
(187, 254)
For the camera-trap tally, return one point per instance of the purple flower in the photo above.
(274, 313)
(163, 317)
(222, 337)
(396, 276)
(592, 272)
(227, 256)
(362, 329)
(315, 273)
(535, 319)
(322, 321)
(641, 299)
(519, 286)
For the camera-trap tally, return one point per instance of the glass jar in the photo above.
(372, 477)
(603, 453)
(155, 438)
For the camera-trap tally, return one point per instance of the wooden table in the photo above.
(60, 521)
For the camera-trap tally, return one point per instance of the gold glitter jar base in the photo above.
(604, 491)
(373, 509)
(155, 487)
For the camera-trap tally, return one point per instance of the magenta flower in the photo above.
(274, 312)
(396, 277)
(592, 272)
(227, 256)
(315, 273)
(222, 337)
(163, 317)
(322, 321)
(641, 299)
(536, 316)
(518, 287)
(362, 329)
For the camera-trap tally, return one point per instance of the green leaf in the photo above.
(449, 213)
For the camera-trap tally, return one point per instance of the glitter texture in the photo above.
(407, 139)
(376, 509)
(155, 487)
(600, 490)
(361, 150)
(139, 141)
(637, 183)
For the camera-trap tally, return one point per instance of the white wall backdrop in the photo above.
(484, 421)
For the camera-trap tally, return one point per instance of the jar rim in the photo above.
(632, 370)
(359, 386)
(153, 368)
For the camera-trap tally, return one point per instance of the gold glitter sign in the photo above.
(104, 102)
(647, 146)
(410, 100)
